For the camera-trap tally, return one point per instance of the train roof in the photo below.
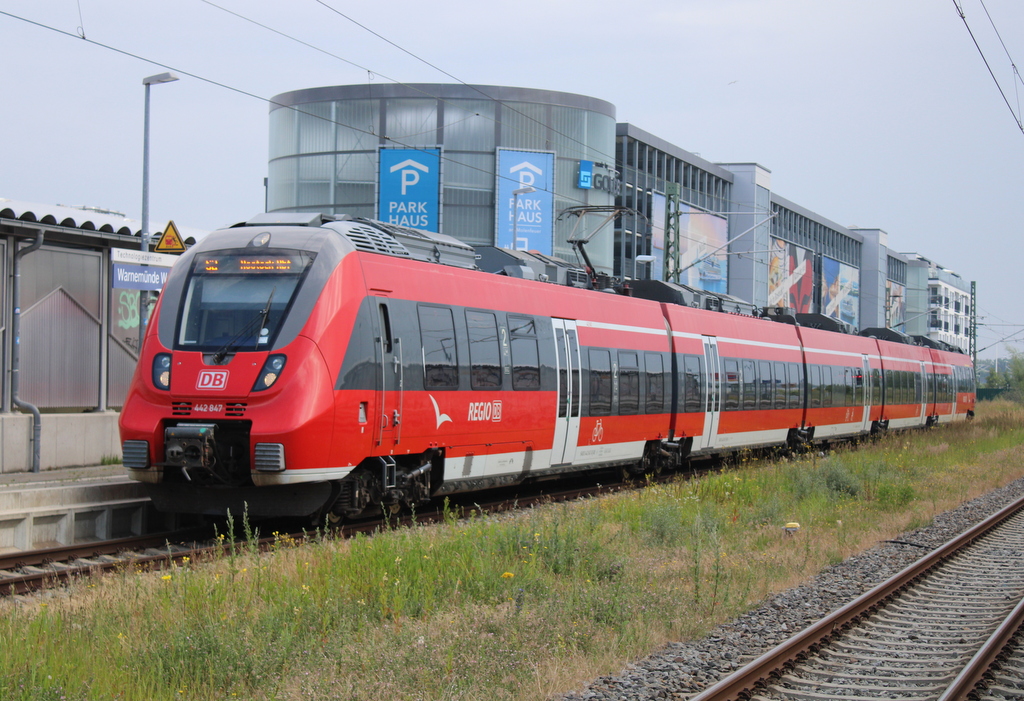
(373, 236)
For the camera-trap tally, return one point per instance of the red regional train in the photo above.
(305, 365)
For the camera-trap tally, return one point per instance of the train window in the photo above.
(600, 382)
(796, 395)
(826, 385)
(749, 377)
(814, 386)
(525, 358)
(918, 387)
(858, 387)
(876, 386)
(238, 302)
(385, 328)
(484, 351)
(655, 367)
(574, 354)
(779, 376)
(440, 360)
(766, 384)
(522, 326)
(851, 387)
(693, 383)
(563, 374)
(629, 383)
(732, 384)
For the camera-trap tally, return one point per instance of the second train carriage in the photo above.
(301, 365)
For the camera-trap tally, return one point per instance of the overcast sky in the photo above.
(871, 113)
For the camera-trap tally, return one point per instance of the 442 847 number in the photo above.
(208, 408)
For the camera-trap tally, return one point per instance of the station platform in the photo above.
(74, 505)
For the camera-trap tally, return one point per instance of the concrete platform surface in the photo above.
(72, 506)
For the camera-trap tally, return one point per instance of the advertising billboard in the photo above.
(533, 223)
(895, 304)
(790, 277)
(409, 187)
(703, 260)
(840, 291)
(658, 209)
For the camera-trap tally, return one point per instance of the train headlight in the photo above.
(162, 371)
(270, 372)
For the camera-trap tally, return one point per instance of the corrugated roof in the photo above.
(84, 218)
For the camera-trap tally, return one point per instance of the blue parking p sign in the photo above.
(409, 186)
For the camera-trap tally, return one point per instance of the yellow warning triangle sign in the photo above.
(171, 241)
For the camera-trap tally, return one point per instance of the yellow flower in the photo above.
(507, 575)
(166, 577)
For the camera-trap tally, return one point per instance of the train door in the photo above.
(921, 388)
(391, 381)
(712, 407)
(865, 390)
(567, 419)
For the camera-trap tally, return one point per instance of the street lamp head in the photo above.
(645, 259)
(524, 190)
(160, 78)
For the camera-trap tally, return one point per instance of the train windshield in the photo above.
(237, 301)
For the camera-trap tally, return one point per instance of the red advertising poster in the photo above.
(790, 277)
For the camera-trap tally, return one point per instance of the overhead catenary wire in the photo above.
(241, 91)
(397, 140)
(1016, 117)
(475, 88)
(584, 152)
(1013, 65)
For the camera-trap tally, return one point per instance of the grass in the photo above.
(494, 608)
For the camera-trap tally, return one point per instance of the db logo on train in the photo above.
(212, 379)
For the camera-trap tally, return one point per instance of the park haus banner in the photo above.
(410, 181)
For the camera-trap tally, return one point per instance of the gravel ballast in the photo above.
(681, 670)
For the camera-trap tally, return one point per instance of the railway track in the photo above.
(29, 571)
(942, 629)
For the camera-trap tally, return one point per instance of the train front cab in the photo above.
(232, 393)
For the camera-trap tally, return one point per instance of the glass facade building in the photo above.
(497, 160)
(325, 151)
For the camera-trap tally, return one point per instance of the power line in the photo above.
(240, 91)
(1007, 51)
(1016, 119)
(475, 88)
(587, 150)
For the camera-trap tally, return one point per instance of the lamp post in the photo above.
(144, 234)
(643, 258)
(515, 212)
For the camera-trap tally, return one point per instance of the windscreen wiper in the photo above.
(261, 317)
(266, 315)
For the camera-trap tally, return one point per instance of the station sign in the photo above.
(409, 189)
(529, 217)
(139, 270)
